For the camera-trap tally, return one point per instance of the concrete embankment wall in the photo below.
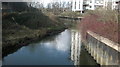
(103, 50)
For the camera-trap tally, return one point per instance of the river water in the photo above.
(64, 48)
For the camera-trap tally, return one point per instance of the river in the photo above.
(64, 48)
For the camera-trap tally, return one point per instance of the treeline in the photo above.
(59, 7)
(54, 7)
(18, 7)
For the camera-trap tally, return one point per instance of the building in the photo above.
(118, 6)
(93, 4)
(81, 5)
(110, 4)
(77, 5)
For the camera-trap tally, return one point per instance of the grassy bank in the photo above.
(23, 28)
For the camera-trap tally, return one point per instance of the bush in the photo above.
(104, 15)
(102, 22)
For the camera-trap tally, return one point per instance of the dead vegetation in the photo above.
(103, 22)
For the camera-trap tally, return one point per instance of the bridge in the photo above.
(73, 18)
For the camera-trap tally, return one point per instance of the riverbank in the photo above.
(35, 36)
(13, 45)
(20, 29)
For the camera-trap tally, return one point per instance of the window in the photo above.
(75, 5)
(90, 1)
(90, 6)
(79, 4)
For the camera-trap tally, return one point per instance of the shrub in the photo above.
(102, 22)
(104, 15)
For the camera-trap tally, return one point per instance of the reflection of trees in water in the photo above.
(59, 42)
(10, 50)
(32, 47)
(63, 40)
(49, 38)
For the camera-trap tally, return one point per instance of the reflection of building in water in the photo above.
(75, 46)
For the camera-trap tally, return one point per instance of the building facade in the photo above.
(118, 6)
(79, 5)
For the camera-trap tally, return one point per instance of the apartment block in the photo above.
(81, 5)
(77, 5)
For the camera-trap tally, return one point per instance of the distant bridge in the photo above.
(73, 18)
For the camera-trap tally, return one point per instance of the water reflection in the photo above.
(79, 55)
(60, 43)
(56, 50)
(46, 52)
(75, 46)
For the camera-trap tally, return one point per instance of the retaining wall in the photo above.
(103, 50)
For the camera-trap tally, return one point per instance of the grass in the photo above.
(27, 25)
(33, 20)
